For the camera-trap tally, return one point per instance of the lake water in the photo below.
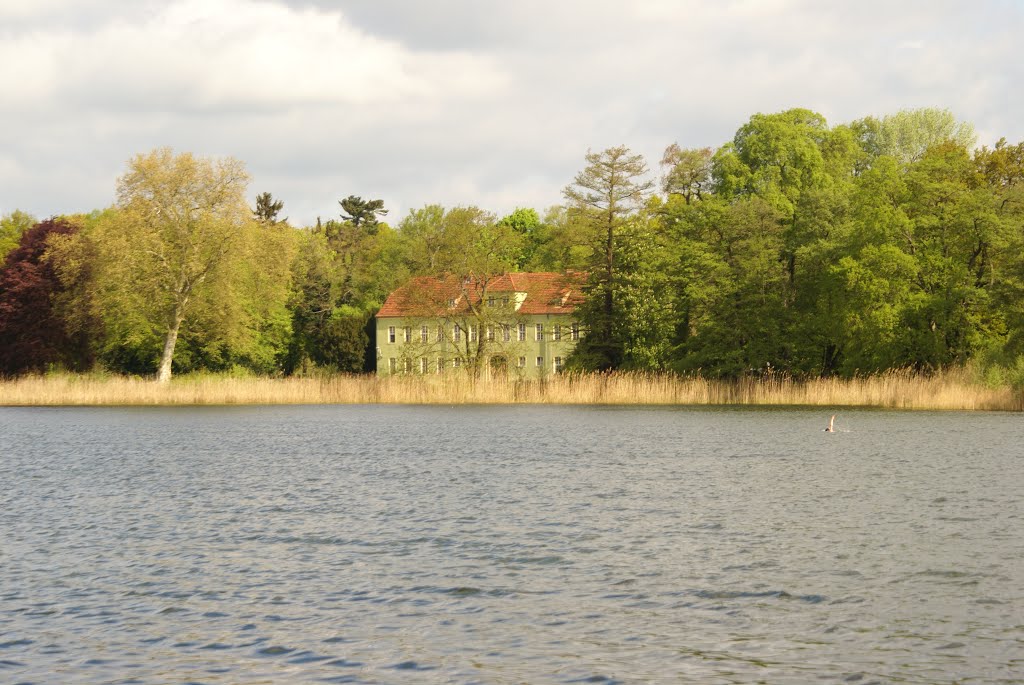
(510, 545)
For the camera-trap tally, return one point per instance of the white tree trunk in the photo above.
(163, 374)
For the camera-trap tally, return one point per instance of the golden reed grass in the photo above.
(895, 389)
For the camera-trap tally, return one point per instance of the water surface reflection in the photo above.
(509, 544)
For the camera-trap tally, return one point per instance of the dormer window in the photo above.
(451, 302)
(490, 301)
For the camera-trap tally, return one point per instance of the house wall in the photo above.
(408, 356)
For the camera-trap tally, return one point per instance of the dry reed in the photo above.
(896, 389)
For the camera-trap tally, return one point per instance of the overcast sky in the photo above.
(461, 102)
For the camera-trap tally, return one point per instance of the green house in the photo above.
(520, 325)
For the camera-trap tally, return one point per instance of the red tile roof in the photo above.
(546, 293)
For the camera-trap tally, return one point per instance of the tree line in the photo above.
(800, 247)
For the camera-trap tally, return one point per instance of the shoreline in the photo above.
(951, 390)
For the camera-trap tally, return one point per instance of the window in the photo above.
(490, 333)
(408, 333)
(440, 365)
(522, 332)
(391, 334)
(408, 365)
(558, 364)
(490, 301)
(451, 302)
(456, 363)
(440, 333)
(506, 332)
(424, 333)
(504, 301)
(457, 333)
(522, 362)
(575, 331)
(424, 365)
(540, 332)
(540, 361)
(556, 332)
(393, 365)
(473, 331)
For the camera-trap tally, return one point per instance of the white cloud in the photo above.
(232, 54)
(460, 101)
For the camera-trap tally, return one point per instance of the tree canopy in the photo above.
(181, 247)
(33, 336)
(798, 247)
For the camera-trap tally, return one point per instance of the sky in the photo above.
(461, 102)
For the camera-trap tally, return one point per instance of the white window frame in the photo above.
(407, 333)
(424, 333)
(538, 332)
(575, 335)
(540, 362)
(424, 365)
(558, 364)
(391, 334)
(393, 365)
(457, 333)
(521, 334)
(522, 362)
(556, 332)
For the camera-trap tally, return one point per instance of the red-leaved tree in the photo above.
(32, 334)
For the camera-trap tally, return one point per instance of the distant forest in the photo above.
(796, 247)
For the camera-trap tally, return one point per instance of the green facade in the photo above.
(535, 356)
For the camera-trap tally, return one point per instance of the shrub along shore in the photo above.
(952, 390)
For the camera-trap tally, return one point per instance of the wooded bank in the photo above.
(798, 247)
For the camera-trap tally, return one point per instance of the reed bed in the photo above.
(895, 389)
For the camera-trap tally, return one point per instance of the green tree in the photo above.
(1002, 171)
(907, 134)
(687, 172)
(465, 241)
(804, 171)
(956, 238)
(731, 286)
(526, 224)
(182, 248)
(362, 212)
(645, 302)
(563, 241)
(329, 309)
(267, 209)
(607, 195)
(12, 226)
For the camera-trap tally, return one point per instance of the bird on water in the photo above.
(831, 425)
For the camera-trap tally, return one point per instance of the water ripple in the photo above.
(508, 544)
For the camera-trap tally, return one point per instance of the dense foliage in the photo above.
(797, 246)
(33, 335)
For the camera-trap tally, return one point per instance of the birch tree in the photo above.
(177, 243)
